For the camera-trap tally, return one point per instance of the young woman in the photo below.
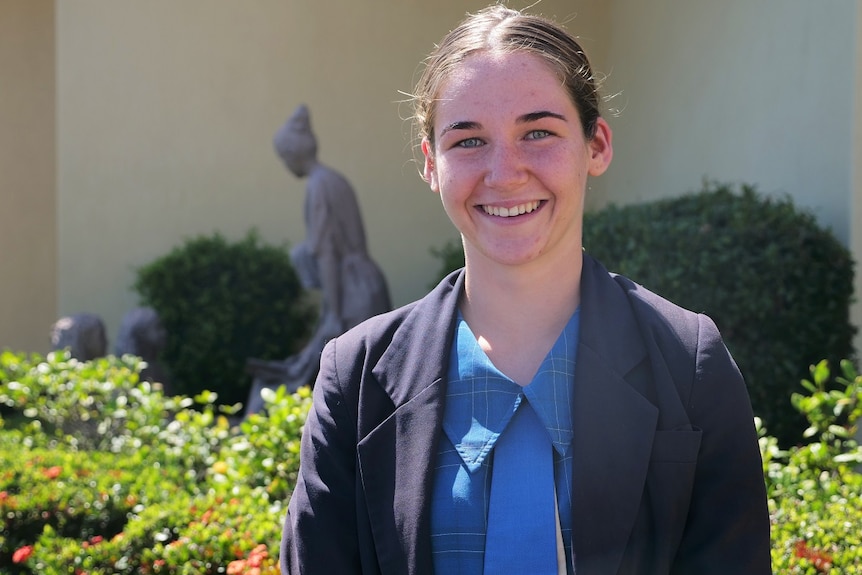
(533, 413)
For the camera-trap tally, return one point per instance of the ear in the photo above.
(429, 173)
(601, 148)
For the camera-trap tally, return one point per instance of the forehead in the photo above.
(497, 82)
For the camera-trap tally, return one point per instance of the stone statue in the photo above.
(83, 334)
(141, 333)
(333, 258)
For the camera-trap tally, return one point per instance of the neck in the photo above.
(517, 312)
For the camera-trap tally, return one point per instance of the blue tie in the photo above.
(522, 520)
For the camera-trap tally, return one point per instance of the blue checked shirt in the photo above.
(480, 401)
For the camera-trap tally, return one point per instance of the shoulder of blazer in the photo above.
(669, 323)
(671, 332)
(404, 347)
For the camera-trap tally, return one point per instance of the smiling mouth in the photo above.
(513, 211)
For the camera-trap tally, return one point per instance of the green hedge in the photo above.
(175, 485)
(221, 303)
(778, 285)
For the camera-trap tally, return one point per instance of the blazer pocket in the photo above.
(676, 446)
(669, 487)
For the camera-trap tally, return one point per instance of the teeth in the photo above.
(513, 211)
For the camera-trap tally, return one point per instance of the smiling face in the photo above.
(510, 159)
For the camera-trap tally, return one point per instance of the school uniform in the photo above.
(667, 476)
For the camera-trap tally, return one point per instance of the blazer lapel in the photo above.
(614, 424)
(412, 372)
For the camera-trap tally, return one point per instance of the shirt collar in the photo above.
(480, 400)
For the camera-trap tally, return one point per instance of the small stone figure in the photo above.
(83, 334)
(141, 333)
(333, 258)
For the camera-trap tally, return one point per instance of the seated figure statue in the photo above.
(333, 258)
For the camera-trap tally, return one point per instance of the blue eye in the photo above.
(470, 143)
(538, 134)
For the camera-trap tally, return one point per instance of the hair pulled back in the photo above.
(501, 29)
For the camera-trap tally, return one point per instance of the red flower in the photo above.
(821, 561)
(53, 472)
(22, 554)
(257, 555)
(255, 560)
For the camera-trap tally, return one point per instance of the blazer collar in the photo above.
(418, 354)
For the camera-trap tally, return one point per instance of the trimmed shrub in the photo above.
(451, 256)
(222, 303)
(777, 285)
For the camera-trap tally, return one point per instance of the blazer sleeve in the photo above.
(727, 529)
(320, 530)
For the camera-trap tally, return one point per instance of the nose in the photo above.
(506, 168)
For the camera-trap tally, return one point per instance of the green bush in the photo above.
(451, 256)
(180, 489)
(222, 303)
(778, 286)
(815, 490)
(159, 485)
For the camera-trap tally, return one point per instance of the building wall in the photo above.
(167, 111)
(736, 91)
(28, 274)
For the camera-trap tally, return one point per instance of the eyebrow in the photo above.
(524, 119)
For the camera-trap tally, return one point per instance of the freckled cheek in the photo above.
(458, 180)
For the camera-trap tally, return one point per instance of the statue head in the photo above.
(296, 144)
(141, 333)
(83, 334)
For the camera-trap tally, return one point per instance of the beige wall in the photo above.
(28, 276)
(738, 91)
(765, 92)
(166, 114)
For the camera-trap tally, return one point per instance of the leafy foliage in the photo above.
(168, 486)
(451, 256)
(222, 303)
(180, 486)
(815, 490)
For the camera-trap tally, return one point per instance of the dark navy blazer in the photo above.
(667, 472)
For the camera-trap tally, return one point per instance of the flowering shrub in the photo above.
(101, 473)
(176, 486)
(815, 490)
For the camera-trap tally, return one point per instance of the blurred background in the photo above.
(128, 127)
